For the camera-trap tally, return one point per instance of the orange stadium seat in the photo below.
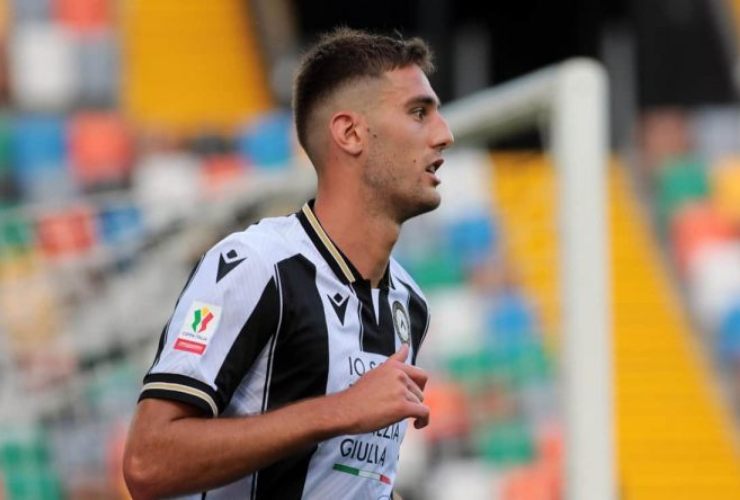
(550, 450)
(695, 226)
(100, 148)
(66, 233)
(448, 403)
(528, 483)
(82, 15)
(220, 172)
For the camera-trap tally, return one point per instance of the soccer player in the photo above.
(287, 368)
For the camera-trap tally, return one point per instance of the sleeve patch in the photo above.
(198, 328)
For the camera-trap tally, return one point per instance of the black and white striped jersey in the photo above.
(276, 314)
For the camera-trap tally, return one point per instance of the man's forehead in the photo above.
(409, 84)
(402, 86)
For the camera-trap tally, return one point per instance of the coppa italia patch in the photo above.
(199, 326)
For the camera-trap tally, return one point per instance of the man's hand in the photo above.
(389, 393)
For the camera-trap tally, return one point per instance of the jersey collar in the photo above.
(336, 259)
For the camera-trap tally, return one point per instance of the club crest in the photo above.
(401, 322)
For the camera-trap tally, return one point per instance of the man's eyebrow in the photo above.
(425, 100)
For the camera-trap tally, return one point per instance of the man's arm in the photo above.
(173, 449)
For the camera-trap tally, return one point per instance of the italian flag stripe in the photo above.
(362, 473)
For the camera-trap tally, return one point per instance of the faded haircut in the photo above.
(344, 55)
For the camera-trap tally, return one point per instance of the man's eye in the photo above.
(419, 113)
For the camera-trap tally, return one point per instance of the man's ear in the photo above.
(346, 132)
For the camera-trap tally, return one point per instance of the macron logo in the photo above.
(339, 304)
(227, 263)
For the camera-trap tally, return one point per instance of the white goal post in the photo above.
(571, 100)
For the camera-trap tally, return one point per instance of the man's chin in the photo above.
(421, 206)
(434, 201)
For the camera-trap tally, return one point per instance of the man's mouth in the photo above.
(432, 170)
(433, 167)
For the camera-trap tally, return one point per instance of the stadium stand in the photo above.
(674, 436)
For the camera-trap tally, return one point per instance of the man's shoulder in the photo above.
(269, 240)
(400, 274)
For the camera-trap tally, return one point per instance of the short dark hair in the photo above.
(346, 54)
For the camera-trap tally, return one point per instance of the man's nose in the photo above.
(444, 139)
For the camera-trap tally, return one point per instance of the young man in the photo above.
(303, 329)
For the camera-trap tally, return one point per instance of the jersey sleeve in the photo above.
(224, 317)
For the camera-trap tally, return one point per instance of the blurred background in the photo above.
(134, 134)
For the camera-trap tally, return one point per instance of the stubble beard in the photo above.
(389, 196)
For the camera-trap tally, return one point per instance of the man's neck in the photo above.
(363, 235)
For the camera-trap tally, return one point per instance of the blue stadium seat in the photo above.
(472, 238)
(728, 338)
(267, 142)
(38, 153)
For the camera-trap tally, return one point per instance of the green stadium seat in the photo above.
(436, 271)
(679, 181)
(506, 443)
